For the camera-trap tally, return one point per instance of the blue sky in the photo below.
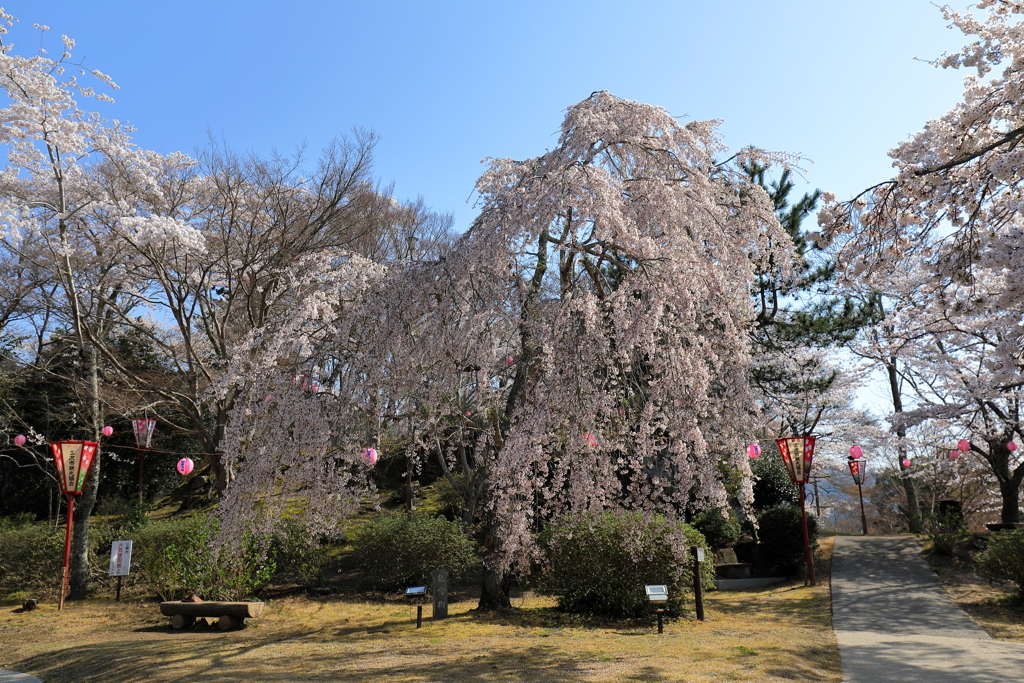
(447, 83)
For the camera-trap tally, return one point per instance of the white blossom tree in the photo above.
(584, 345)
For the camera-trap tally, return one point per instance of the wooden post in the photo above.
(118, 598)
(661, 628)
(698, 586)
(419, 616)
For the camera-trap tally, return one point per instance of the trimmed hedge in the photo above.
(602, 562)
(396, 550)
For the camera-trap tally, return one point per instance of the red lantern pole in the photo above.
(67, 551)
(857, 472)
(798, 453)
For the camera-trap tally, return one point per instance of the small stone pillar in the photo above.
(440, 593)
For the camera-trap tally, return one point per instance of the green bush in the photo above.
(1003, 559)
(602, 562)
(178, 556)
(299, 555)
(947, 533)
(31, 558)
(721, 528)
(772, 485)
(396, 550)
(781, 539)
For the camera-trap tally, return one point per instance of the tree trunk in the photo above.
(1009, 491)
(913, 506)
(79, 571)
(494, 590)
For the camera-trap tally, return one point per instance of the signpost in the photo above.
(120, 562)
(72, 460)
(798, 453)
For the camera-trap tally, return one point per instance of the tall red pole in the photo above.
(67, 551)
(807, 538)
(863, 517)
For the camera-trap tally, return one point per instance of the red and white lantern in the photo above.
(185, 466)
(954, 454)
(143, 430)
(1011, 446)
(856, 452)
(370, 457)
(754, 450)
(108, 430)
(905, 462)
(19, 440)
(798, 453)
(964, 445)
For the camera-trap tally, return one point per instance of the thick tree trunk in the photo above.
(1009, 491)
(79, 571)
(494, 590)
(913, 506)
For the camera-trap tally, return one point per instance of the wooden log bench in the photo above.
(229, 615)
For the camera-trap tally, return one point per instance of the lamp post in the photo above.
(857, 471)
(72, 460)
(798, 453)
(143, 430)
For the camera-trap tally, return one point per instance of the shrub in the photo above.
(947, 533)
(298, 553)
(603, 561)
(31, 558)
(176, 557)
(720, 527)
(781, 538)
(1003, 559)
(396, 550)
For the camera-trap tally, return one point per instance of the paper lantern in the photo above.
(185, 466)
(905, 462)
(754, 450)
(856, 452)
(954, 454)
(797, 454)
(19, 440)
(1011, 446)
(590, 439)
(467, 413)
(964, 445)
(108, 430)
(370, 456)
(509, 360)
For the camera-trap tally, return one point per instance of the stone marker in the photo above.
(440, 593)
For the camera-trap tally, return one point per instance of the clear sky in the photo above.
(446, 83)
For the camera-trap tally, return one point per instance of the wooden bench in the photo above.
(229, 615)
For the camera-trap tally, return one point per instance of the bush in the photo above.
(947, 533)
(31, 558)
(720, 527)
(299, 555)
(781, 539)
(176, 557)
(401, 549)
(1003, 559)
(603, 561)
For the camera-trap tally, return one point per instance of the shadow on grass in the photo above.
(216, 660)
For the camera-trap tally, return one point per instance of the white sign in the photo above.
(120, 557)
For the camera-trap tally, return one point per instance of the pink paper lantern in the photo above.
(1011, 446)
(954, 454)
(19, 440)
(590, 439)
(856, 452)
(370, 456)
(467, 413)
(905, 462)
(964, 445)
(185, 465)
(509, 360)
(754, 450)
(108, 430)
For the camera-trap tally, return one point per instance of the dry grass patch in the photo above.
(992, 606)
(776, 633)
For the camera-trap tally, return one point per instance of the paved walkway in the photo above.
(15, 677)
(895, 623)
